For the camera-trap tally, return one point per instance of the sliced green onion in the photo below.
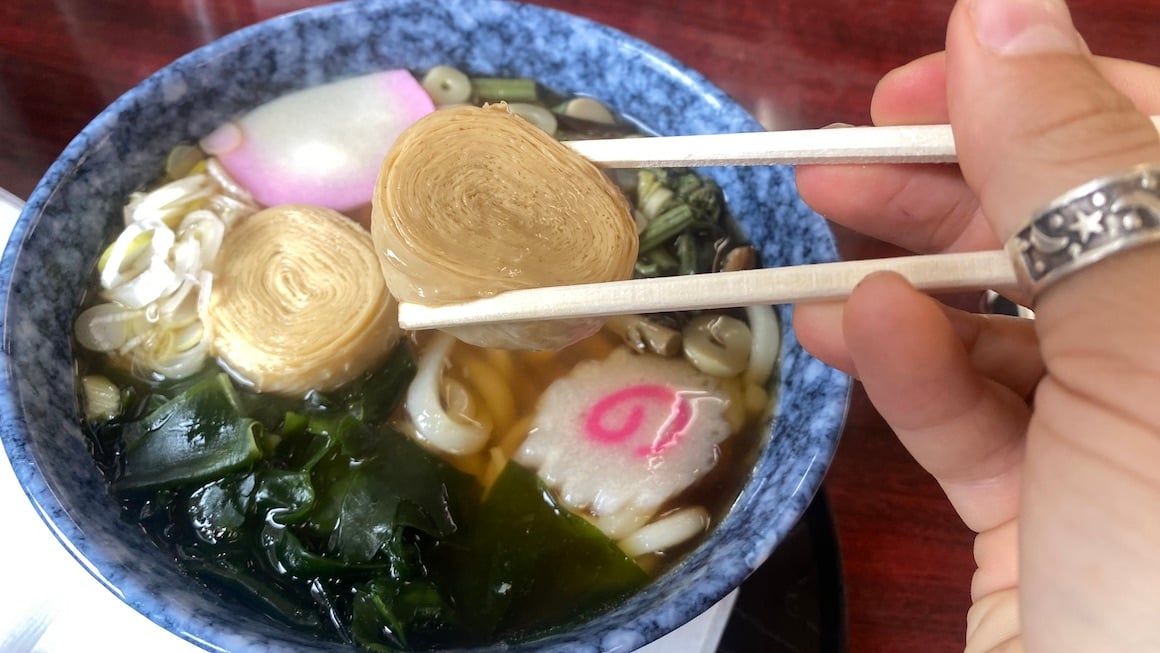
(502, 89)
(187, 261)
(127, 257)
(227, 186)
(182, 364)
(205, 228)
(102, 398)
(205, 287)
(145, 288)
(182, 160)
(150, 272)
(586, 108)
(105, 327)
(189, 336)
(137, 246)
(447, 85)
(170, 202)
(230, 209)
(180, 308)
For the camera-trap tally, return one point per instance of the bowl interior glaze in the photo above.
(76, 208)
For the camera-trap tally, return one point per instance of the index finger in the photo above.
(929, 208)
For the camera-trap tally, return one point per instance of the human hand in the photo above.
(1045, 435)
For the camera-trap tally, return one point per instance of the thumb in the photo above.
(1033, 116)
(1033, 119)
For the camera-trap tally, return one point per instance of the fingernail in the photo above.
(838, 125)
(1022, 27)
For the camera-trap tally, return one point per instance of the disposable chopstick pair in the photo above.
(933, 273)
(850, 145)
(902, 144)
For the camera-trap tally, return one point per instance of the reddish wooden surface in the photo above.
(792, 63)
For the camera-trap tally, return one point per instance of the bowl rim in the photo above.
(13, 424)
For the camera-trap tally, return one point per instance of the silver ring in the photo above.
(1087, 224)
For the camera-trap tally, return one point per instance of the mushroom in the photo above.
(589, 109)
(644, 335)
(717, 345)
(740, 258)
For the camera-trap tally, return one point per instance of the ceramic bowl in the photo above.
(76, 207)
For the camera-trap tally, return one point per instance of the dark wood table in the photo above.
(792, 63)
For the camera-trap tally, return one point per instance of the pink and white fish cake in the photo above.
(322, 145)
(626, 433)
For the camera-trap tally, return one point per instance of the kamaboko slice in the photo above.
(329, 159)
(475, 201)
(298, 302)
(626, 434)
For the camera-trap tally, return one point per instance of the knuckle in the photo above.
(1098, 124)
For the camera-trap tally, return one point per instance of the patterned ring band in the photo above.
(1087, 224)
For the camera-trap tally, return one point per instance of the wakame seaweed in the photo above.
(195, 436)
(531, 560)
(319, 514)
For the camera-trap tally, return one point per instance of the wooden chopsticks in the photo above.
(904, 144)
(907, 144)
(822, 281)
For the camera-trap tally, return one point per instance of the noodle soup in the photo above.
(256, 410)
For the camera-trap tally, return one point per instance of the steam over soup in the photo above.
(257, 411)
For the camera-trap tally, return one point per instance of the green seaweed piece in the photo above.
(198, 435)
(381, 484)
(285, 496)
(286, 553)
(392, 616)
(217, 511)
(352, 527)
(372, 397)
(532, 565)
(255, 589)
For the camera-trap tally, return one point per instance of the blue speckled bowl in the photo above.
(76, 207)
